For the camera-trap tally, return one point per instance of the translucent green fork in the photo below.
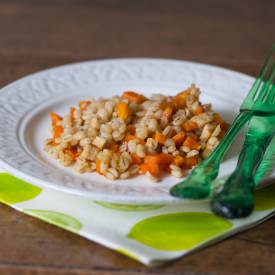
(260, 101)
(236, 199)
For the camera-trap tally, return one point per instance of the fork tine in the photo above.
(266, 91)
(256, 87)
(267, 77)
(267, 61)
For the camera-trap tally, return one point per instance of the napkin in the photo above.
(150, 234)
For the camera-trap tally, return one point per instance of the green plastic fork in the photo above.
(260, 101)
(236, 198)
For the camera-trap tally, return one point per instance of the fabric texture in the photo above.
(151, 234)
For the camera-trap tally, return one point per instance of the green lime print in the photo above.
(56, 218)
(129, 207)
(265, 198)
(13, 190)
(127, 253)
(178, 231)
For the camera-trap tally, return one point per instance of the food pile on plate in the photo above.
(126, 135)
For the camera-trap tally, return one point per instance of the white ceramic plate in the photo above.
(26, 103)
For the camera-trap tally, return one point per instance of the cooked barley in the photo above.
(121, 142)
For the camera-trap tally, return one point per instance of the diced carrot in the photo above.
(165, 158)
(57, 131)
(152, 164)
(169, 104)
(190, 162)
(83, 104)
(161, 158)
(133, 97)
(154, 169)
(136, 159)
(53, 143)
(72, 110)
(179, 138)
(113, 146)
(198, 111)
(129, 137)
(218, 119)
(131, 129)
(165, 168)
(190, 134)
(98, 164)
(144, 168)
(141, 141)
(55, 118)
(168, 113)
(189, 126)
(180, 99)
(123, 110)
(225, 126)
(222, 134)
(178, 160)
(72, 151)
(191, 143)
(160, 138)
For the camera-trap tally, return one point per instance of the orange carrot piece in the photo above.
(131, 129)
(190, 162)
(113, 146)
(180, 99)
(218, 119)
(225, 126)
(169, 104)
(143, 168)
(195, 137)
(129, 137)
(191, 143)
(179, 138)
(72, 110)
(153, 168)
(72, 152)
(155, 163)
(57, 131)
(222, 134)
(165, 158)
(83, 104)
(189, 126)
(98, 164)
(136, 159)
(198, 111)
(133, 97)
(55, 118)
(178, 160)
(123, 110)
(161, 158)
(160, 138)
(168, 113)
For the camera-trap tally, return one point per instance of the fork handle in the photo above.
(236, 198)
(252, 155)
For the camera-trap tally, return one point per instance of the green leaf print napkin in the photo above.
(151, 234)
